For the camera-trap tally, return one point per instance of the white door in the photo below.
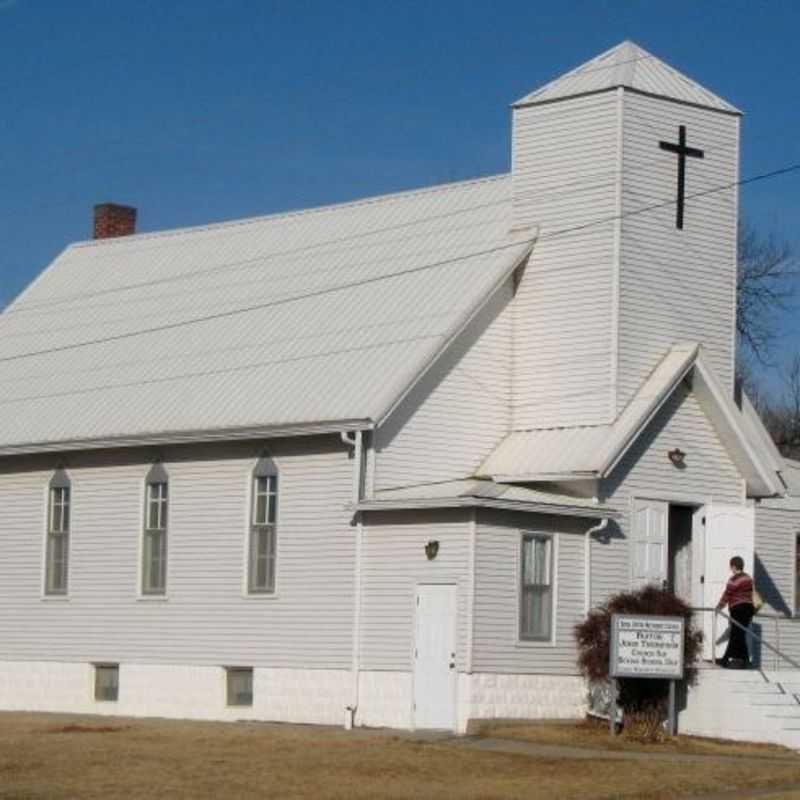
(649, 534)
(435, 657)
(698, 597)
(730, 531)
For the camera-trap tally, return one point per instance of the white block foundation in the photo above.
(282, 695)
(385, 700)
(498, 696)
(177, 691)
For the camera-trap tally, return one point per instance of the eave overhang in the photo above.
(190, 437)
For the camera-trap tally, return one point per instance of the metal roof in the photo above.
(593, 452)
(791, 477)
(587, 452)
(628, 65)
(472, 493)
(792, 471)
(274, 323)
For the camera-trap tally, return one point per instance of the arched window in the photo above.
(154, 544)
(263, 528)
(58, 519)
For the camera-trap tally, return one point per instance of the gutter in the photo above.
(472, 501)
(538, 477)
(189, 436)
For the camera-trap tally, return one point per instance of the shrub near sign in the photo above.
(646, 647)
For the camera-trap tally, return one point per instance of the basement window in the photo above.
(106, 682)
(239, 686)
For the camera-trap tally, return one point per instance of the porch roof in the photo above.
(476, 493)
(567, 454)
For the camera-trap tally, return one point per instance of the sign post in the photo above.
(647, 647)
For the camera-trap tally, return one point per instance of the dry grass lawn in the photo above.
(594, 734)
(58, 757)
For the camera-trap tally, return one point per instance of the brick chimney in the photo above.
(111, 220)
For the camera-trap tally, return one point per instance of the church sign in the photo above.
(644, 646)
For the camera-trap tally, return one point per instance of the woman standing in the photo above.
(738, 596)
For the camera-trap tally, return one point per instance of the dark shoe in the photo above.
(738, 663)
(721, 662)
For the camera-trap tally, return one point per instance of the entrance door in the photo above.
(730, 531)
(435, 657)
(649, 533)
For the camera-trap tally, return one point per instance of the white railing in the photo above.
(774, 649)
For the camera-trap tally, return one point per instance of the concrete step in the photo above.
(745, 705)
(778, 701)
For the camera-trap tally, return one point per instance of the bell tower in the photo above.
(628, 169)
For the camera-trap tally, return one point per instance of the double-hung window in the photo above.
(536, 587)
(264, 514)
(154, 545)
(58, 519)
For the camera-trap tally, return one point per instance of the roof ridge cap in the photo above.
(363, 201)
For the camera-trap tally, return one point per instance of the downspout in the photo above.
(355, 440)
(587, 563)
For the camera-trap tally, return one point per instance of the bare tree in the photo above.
(789, 416)
(764, 286)
(781, 411)
(766, 267)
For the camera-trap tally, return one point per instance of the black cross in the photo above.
(682, 151)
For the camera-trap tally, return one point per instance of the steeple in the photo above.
(627, 171)
(633, 67)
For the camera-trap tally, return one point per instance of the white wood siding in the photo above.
(645, 471)
(496, 643)
(565, 175)
(394, 562)
(777, 529)
(776, 533)
(460, 409)
(676, 285)
(206, 619)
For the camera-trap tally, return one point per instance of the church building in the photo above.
(369, 464)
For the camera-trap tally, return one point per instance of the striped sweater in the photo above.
(738, 590)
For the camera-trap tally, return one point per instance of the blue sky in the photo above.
(202, 111)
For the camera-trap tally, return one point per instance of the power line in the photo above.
(222, 370)
(229, 350)
(257, 262)
(666, 203)
(261, 306)
(259, 281)
(342, 287)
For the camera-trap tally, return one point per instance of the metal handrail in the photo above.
(755, 636)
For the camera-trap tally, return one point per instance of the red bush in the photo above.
(593, 636)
